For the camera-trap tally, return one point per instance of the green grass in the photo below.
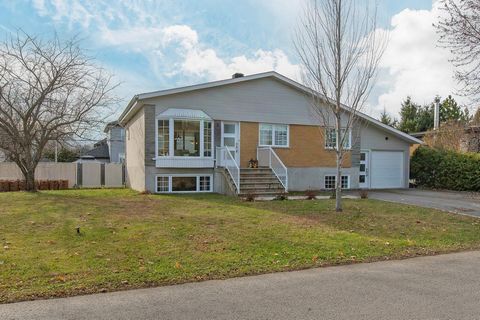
(129, 240)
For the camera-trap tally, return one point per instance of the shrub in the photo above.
(250, 197)
(441, 169)
(364, 194)
(310, 194)
(281, 197)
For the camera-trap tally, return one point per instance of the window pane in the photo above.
(228, 128)
(163, 138)
(345, 182)
(207, 139)
(362, 167)
(330, 182)
(186, 138)
(162, 184)
(229, 142)
(361, 178)
(330, 138)
(281, 135)
(205, 183)
(184, 183)
(362, 156)
(266, 132)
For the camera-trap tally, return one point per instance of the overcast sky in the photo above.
(152, 45)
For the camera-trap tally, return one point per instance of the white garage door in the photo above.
(387, 169)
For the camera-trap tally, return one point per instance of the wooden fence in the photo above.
(79, 175)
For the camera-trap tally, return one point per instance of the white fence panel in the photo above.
(113, 175)
(57, 171)
(91, 175)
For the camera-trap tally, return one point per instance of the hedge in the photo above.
(441, 169)
(19, 185)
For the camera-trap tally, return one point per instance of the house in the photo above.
(451, 136)
(115, 141)
(201, 138)
(3, 157)
(111, 149)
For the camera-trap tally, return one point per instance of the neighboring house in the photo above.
(115, 141)
(99, 153)
(458, 138)
(201, 138)
(3, 157)
(111, 149)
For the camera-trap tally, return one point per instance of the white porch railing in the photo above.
(267, 157)
(225, 159)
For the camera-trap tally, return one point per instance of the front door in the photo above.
(363, 179)
(231, 138)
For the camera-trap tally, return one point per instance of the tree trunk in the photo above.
(30, 180)
(338, 190)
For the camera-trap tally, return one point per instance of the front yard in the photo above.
(128, 240)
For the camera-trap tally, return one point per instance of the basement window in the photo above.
(183, 183)
(330, 182)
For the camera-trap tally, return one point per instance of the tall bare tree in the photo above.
(49, 91)
(340, 48)
(459, 29)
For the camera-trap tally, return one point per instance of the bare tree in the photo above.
(459, 30)
(340, 47)
(49, 91)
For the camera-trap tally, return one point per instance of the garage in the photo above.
(387, 169)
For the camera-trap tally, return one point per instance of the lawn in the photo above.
(128, 240)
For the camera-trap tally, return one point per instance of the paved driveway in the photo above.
(458, 202)
(441, 287)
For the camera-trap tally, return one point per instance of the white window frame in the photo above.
(335, 183)
(274, 143)
(349, 141)
(197, 176)
(171, 130)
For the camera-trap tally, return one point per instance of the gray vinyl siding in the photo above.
(262, 100)
(116, 143)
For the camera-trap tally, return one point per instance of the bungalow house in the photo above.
(202, 138)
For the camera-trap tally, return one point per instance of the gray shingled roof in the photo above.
(99, 152)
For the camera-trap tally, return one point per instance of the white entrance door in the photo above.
(231, 138)
(387, 169)
(363, 179)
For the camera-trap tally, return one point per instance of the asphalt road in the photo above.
(440, 287)
(457, 202)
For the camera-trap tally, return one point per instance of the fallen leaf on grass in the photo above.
(178, 265)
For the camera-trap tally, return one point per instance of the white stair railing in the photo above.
(267, 157)
(226, 159)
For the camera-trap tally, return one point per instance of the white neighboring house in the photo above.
(3, 158)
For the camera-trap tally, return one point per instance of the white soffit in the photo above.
(184, 114)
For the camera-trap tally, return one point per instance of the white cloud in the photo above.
(414, 62)
(176, 50)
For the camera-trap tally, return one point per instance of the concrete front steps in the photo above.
(259, 182)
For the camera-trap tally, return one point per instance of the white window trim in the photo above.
(171, 137)
(335, 177)
(349, 139)
(274, 145)
(197, 176)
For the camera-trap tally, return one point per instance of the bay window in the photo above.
(331, 138)
(275, 135)
(184, 138)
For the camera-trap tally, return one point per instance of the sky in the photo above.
(154, 45)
